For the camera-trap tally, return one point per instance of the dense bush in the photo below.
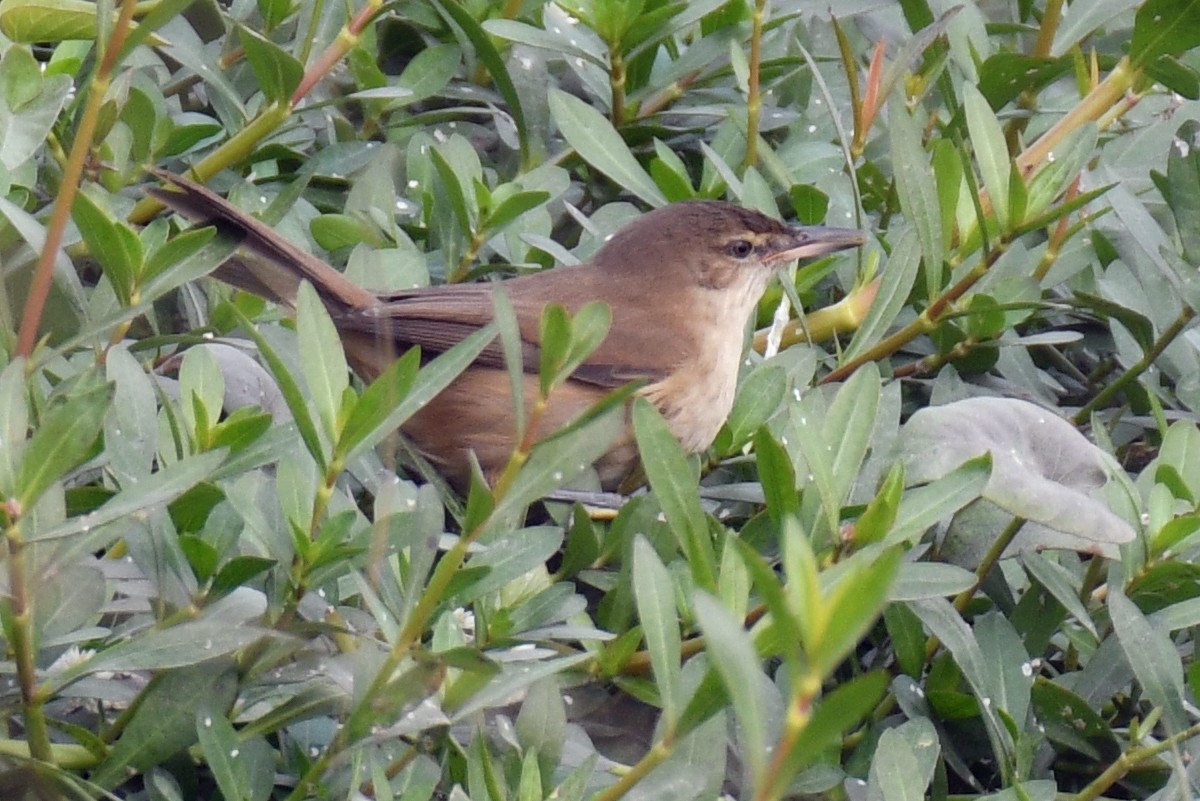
(942, 546)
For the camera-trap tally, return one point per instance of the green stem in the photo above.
(616, 79)
(72, 175)
(924, 323)
(799, 713)
(67, 756)
(24, 645)
(1130, 760)
(661, 751)
(234, 151)
(1129, 376)
(753, 89)
(990, 560)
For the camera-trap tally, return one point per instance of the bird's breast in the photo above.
(696, 397)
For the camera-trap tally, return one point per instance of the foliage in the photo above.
(215, 581)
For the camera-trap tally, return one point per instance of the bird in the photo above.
(681, 282)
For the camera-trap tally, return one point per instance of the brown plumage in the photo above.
(681, 282)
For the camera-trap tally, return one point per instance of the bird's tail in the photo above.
(268, 265)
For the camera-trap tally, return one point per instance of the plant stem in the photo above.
(925, 322)
(799, 713)
(985, 566)
(24, 645)
(653, 758)
(989, 561)
(1129, 376)
(1129, 760)
(753, 89)
(616, 80)
(72, 175)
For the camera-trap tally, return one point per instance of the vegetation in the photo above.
(943, 546)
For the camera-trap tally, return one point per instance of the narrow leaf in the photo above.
(655, 595)
(599, 144)
(674, 484)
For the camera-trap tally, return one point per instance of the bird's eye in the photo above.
(740, 248)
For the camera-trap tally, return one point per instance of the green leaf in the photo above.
(163, 723)
(1055, 176)
(335, 231)
(511, 208)
(709, 699)
(567, 342)
(671, 174)
(160, 14)
(367, 422)
(295, 398)
(113, 243)
(895, 773)
(655, 595)
(515, 31)
(1004, 76)
(1136, 323)
(777, 476)
(542, 721)
(14, 422)
(563, 456)
(917, 581)
(734, 657)
(1183, 180)
(1059, 582)
(554, 342)
(838, 712)
(898, 279)
(219, 742)
(182, 646)
(948, 175)
(490, 57)
(201, 392)
(180, 247)
(507, 559)
(278, 72)
(457, 183)
(876, 520)
(758, 398)
(1164, 27)
(61, 441)
(938, 500)
(849, 424)
(991, 153)
(810, 203)
(1070, 721)
(1180, 78)
(273, 12)
(157, 489)
(323, 362)
(918, 192)
(773, 595)
(201, 555)
(599, 144)
(505, 319)
(854, 603)
(908, 638)
(1153, 657)
(674, 485)
(431, 380)
(238, 571)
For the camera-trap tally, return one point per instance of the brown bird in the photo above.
(681, 282)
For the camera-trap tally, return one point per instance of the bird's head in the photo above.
(718, 246)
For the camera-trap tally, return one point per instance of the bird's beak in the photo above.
(809, 242)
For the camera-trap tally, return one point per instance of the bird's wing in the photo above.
(436, 318)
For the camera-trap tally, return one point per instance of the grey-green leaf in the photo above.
(599, 144)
